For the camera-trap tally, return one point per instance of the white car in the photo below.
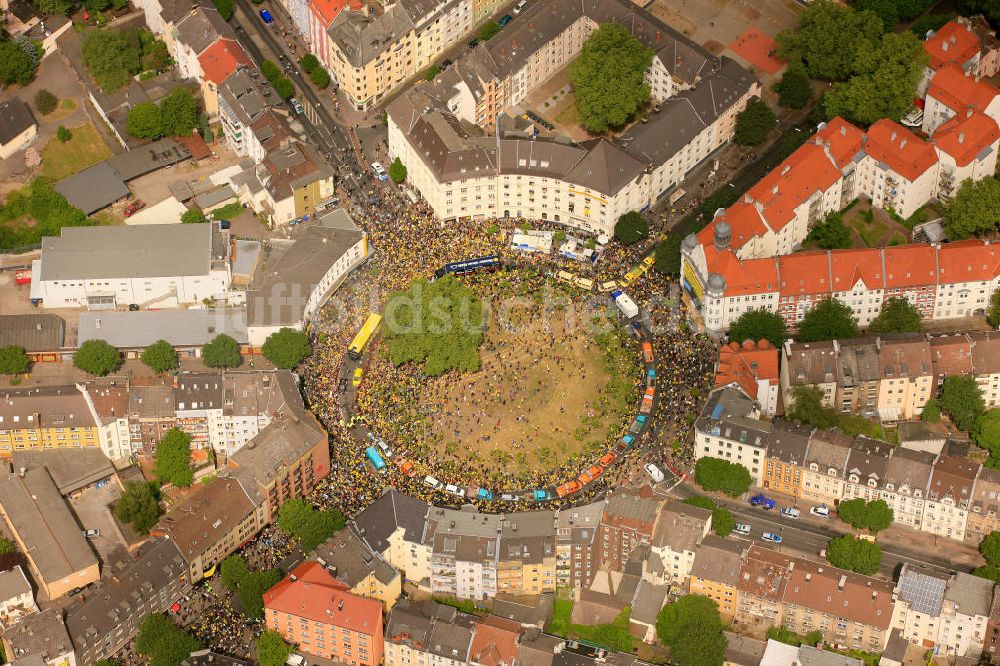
(822, 511)
(433, 483)
(379, 171)
(771, 536)
(452, 489)
(791, 513)
(654, 473)
(519, 7)
(742, 528)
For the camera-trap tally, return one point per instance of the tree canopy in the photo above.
(179, 112)
(986, 433)
(857, 555)
(754, 122)
(722, 518)
(320, 78)
(714, 474)
(631, 228)
(993, 313)
(287, 347)
(144, 121)
(97, 357)
(163, 642)
(225, 8)
(990, 548)
(16, 66)
(608, 78)
(830, 319)
(974, 210)
(173, 459)
(962, 400)
(48, 210)
(45, 102)
(794, 90)
(757, 325)
(308, 63)
(63, 134)
(13, 360)
(828, 38)
(872, 516)
(438, 323)
(160, 356)
(898, 315)
(139, 505)
(932, 411)
(112, 56)
(397, 171)
(272, 650)
(284, 87)
(222, 352)
(831, 233)
(309, 526)
(692, 629)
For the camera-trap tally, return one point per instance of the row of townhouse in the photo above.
(743, 261)
(222, 411)
(890, 378)
(945, 493)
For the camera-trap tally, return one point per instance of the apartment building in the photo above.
(680, 528)
(576, 534)
(949, 496)
(465, 553)
(319, 17)
(110, 401)
(315, 611)
(249, 115)
(17, 598)
(760, 589)
(754, 367)
(426, 633)
(730, 428)
(715, 572)
(205, 48)
(866, 468)
(984, 513)
(395, 526)
(907, 478)
(47, 418)
(526, 556)
(825, 471)
(953, 92)
(628, 521)
(40, 639)
(965, 613)
(109, 617)
(494, 642)
(351, 561)
(785, 461)
(291, 182)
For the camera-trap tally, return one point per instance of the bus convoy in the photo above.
(586, 476)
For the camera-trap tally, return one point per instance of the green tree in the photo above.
(252, 589)
(308, 63)
(884, 9)
(63, 134)
(608, 77)
(13, 360)
(828, 38)
(934, 22)
(193, 216)
(898, 315)
(272, 650)
(286, 347)
(270, 70)
(692, 629)
(45, 102)
(294, 515)
(320, 78)
(989, 8)
(986, 433)
(754, 122)
(488, 31)
(831, 233)
(974, 210)
(55, 7)
(439, 324)
(284, 88)
(15, 65)
(145, 121)
(631, 228)
(112, 56)
(831, 319)
(7, 546)
(139, 505)
(225, 8)
(163, 642)
(309, 526)
(857, 555)
(872, 516)
(179, 112)
(97, 357)
(989, 547)
(668, 256)
(160, 356)
(852, 512)
(993, 313)
(222, 352)
(107, 662)
(722, 519)
(794, 89)
(885, 76)
(932, 411)
(807, 406)
(759, 325)
(714, 474)
(173, 459)
(962, 400)
(397, 171)
(234, 570)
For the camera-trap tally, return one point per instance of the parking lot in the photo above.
(92, 510)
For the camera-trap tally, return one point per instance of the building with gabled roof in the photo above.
(754, 367)
(952, 91)
(351, 560)
(949, 496)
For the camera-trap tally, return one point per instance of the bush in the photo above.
(139, 505)
(13, 360)
(97, 357)
(631, 228)
(320, 78)
(48, 210)
(397, 171)
(63, 134)
(489, 31)
(794, 89)
(160, 356)
(286, 348)
(754, 123)
(714, 474)
(222, 352)
(193, 216)
(45, 102)
(932, 411)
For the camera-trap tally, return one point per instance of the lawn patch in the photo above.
(85, 149)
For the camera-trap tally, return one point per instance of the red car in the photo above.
(134, 207)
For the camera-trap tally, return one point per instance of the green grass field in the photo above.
(83, 150)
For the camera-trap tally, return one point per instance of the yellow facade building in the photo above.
(57, 417)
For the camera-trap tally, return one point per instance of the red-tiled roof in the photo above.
(796, 179)
(966, 135)
(746, 364)
(221, 59)
(311, 592)
(901, 149)
(327, 10)
(851, 266)
(910, 266)
(843, 139)
(968, 261)
(753, 276)
(953, 43)
(744, 221)
(840, 593)
(952, 355)
(951, 86)
(804, 273)
(495, 642)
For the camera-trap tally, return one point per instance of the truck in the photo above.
(647, 401)
(647, 352)
(625, 304)
(762, 501)
(22, 277)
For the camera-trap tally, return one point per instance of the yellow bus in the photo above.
(364, 335)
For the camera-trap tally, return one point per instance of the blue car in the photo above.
(762, 501)
(505, 20)
(266, 16)
(484, 494)
(540, 495)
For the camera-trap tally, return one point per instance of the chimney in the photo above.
(842, 582)
(785, 169)
(340, 605)
(843, 130)
(961, 137)
(944, 46)
(774, 189)
(902, 144)
(893, 137)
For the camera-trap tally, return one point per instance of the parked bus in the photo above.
(374, 458)
(459, 268)
(364, 336)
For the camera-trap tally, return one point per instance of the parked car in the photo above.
(379, 172)
(505, 20)
(445, 64)
(791, 513)
(654, 473)
(452, 489)
(134, 207)
(822, 511)
(474, 43)
(742, 528)
(266, 16)
(519, 7)
(771, 536)
(358, 372)
(92, 534)
(297, 106)
(762, 501)
(433, 483)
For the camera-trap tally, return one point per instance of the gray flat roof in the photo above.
(148, 158)
(94, 188)
(150, 250)
(38, 634)
(71, 469)
(181, 328)
(33, 332)
(43, 522)
(13, 583)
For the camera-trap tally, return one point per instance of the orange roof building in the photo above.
(754, 367)
(311, 608)
(953, 91)
(902, 150)
(966, 136)
(954, 44)
(220, 60)
(495, 642)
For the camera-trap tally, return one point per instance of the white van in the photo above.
(433, 483)
(452, 489)
(823, 511)
(519, 7)
(295, 660)
(654, 473)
